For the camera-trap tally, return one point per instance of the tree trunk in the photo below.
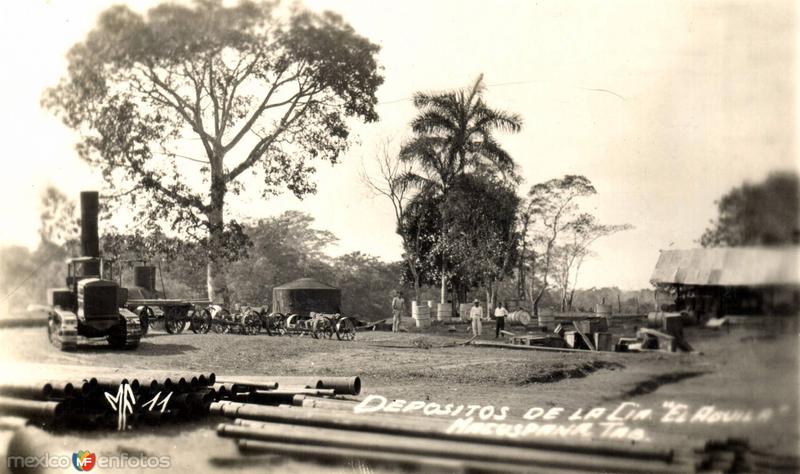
(215, 277)
(443, 293)
(490, 298)
(415, 275)
(570, 299)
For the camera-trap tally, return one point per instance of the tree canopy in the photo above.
(175, 105)
(478, 241)
(766, 213)
(453, 136)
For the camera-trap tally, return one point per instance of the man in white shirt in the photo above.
(397, 310)
(500, 314)
(475, 314)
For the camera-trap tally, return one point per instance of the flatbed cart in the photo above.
(175, 314)
(153, 307)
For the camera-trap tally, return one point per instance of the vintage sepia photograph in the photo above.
(444, 236)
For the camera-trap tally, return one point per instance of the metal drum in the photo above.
(520, 316)
(444, 311)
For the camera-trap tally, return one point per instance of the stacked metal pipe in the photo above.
(324, 428)
(75, 397)
(283, 390)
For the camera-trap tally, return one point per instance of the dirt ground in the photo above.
(746, 369)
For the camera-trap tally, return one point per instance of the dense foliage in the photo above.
(766, 213)
(454, 136)
(248, 87)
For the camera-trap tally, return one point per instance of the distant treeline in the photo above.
(283, 248)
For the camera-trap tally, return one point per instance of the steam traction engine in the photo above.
(91, 304)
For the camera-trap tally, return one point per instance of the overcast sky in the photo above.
(664, 106)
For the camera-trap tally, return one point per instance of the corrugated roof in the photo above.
(305, 284)
(729, 266)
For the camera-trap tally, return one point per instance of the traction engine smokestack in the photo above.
(90, 239)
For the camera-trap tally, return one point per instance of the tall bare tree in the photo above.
(179, 103)
(552, 207)
(391, 182)
(578, 237)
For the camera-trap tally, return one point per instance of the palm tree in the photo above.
(453, 135)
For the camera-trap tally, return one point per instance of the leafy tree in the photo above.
(480, 241)
(454, 134)
(288, 246)
(181, 262)
(285, 247)
(581, 233)
(421, 231)
(58, 222)
(551, 209)
(482, 238)
(224, 89)
(366, 283)
(766, 213)
(26, 275)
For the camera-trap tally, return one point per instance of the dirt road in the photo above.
(739, 384)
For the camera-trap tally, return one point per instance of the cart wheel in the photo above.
(345, 329)
(321, 328)
(273, 324)
(173, 325)
(200, 320)
(175, 319)
(251, 323)
(217, 326)
(279, 325)
(328, 330)
(221, 321)
(146, 319)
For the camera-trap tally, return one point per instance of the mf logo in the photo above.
(124, 403)
(84, 460)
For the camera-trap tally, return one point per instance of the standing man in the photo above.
(500, 314)
(475, 314)
(397, 310)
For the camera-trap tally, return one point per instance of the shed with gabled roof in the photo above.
(731, 280)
